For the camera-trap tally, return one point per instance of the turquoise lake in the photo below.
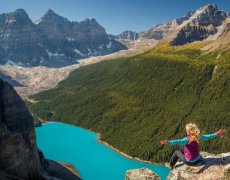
(79, 147)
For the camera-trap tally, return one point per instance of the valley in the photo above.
(36, 79)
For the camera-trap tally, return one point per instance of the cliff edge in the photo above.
(19, 155)
(215, 167)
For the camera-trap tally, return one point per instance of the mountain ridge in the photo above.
(196, 25)
(52, 40)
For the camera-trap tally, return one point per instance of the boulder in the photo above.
(141, 174)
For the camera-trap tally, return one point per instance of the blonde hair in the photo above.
(194, 132)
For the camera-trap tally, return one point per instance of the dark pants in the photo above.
(180, 155)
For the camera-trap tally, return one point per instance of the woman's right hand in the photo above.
(163, 142)
(221, 131)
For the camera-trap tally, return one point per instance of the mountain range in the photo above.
(206, 23)
(52, 40)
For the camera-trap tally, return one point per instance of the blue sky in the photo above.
(114, 15)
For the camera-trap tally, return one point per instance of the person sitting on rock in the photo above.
(190, 153)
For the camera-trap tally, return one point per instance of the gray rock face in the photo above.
(52, 40)
(141, 174)
(18, 151)
(18, 38)
(191, 33)
(127, 35)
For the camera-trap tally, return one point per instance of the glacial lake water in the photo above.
(93, 160)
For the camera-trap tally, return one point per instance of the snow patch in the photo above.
(53, 54)
(38, 21)
(78, 52)
(101, 46)
(70, 39)
(109, 45)
(89, 51)
(12, 21)
(11, 63)
(39, 44)
(21, 64)
(218, 33)
(42, 60)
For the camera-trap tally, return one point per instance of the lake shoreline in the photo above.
(122, 153)
(108, 145)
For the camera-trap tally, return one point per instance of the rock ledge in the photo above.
(215, 167)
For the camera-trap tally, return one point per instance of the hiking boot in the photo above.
(168, 166)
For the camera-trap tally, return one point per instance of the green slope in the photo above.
(137, 101)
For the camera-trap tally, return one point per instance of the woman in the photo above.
(190, 154)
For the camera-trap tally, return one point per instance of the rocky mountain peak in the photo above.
(50, 17)
(210, 14)
(19, 16)
(90, 21)
(50, 11)
(20, 12)
(210, 7)
(204, 23)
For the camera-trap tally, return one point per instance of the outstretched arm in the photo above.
(177, 141)
(210, 136)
